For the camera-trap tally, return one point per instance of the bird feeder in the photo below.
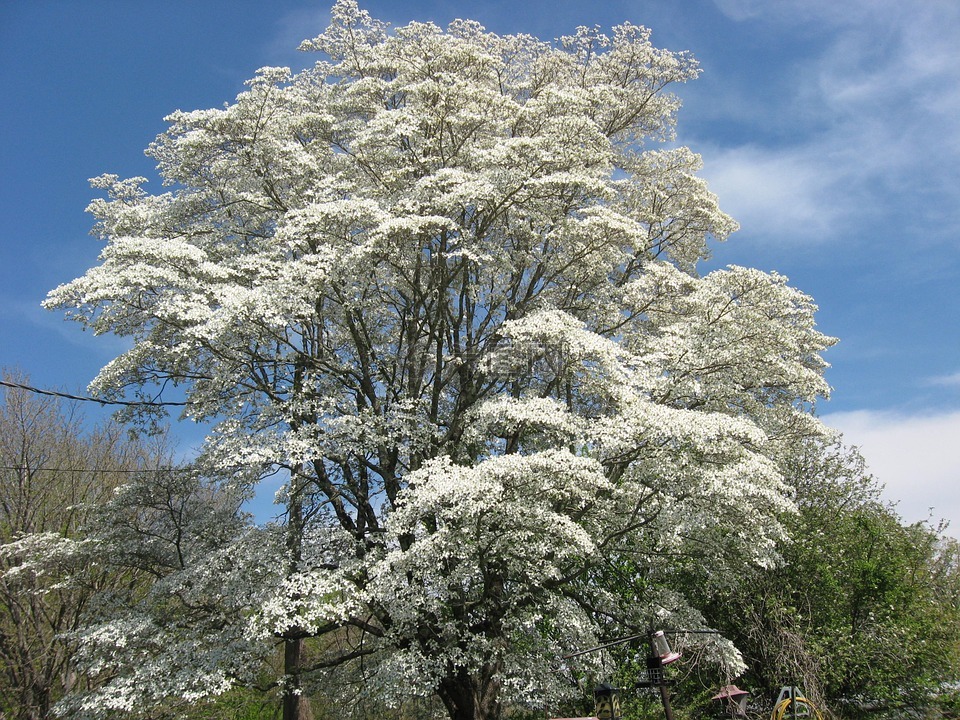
(732, 700)
(607, 702)
(661, 648)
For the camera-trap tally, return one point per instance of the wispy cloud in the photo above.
(916, 457)
(33, 319)
(779, 193)
(291, 29)
(875, 139)
(946, 381)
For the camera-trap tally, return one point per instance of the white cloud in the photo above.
(740, 10)
(291, 29)
(778, 193)
(35, 319)
(826, 13)
(875, 141)
(948, 381)
(917, 458)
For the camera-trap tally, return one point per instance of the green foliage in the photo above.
(238, 704)
(862, 611)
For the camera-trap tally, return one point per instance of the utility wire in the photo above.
(101, 401)
(80, 470)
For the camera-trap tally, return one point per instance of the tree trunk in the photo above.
(296, 705)
(469, 697)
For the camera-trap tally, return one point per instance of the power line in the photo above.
(82, 398)
(79, 470)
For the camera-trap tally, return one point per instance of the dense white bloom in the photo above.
(441, 284)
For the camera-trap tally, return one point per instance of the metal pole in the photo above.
(655, 671)
(665, 698)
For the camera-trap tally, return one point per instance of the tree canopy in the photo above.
(445, 281)
(55, 470)
(862, 610)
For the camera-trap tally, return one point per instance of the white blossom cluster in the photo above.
(45, 556)
(441, 282)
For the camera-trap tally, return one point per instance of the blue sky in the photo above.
(830, 129)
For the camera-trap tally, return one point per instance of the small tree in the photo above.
(185, 538)
(53, 471)
(439, 282)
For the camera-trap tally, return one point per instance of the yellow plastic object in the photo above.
(780, 711)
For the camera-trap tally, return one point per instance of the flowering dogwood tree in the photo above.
(441, 281)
